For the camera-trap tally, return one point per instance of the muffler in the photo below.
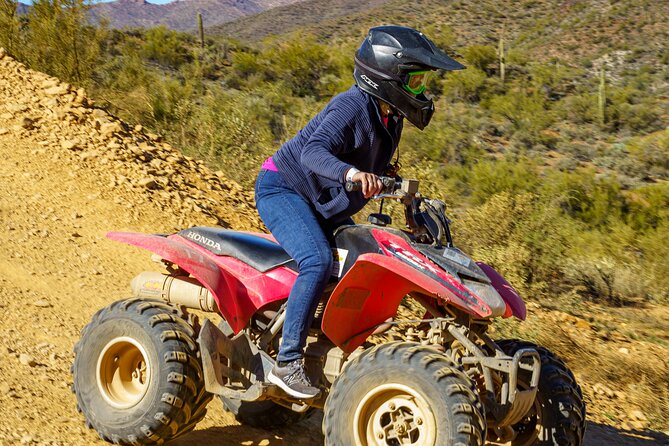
(181, 290)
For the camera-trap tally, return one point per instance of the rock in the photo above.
(4, 131)
(27, 439)
(58, 90)
(28, 124)
(264, 442)
(6, 116)
(28, 360)
(624, 351)
(5, 388)
(69, 145)
(148, 183)
(51, 82)
(582, 324)
(99, 113)
(110, 128)
(42, 303)
(637, 415)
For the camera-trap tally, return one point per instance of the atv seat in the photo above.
(257, 252)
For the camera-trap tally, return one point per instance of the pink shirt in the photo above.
(269, 165)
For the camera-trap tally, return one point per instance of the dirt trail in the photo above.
(69, 173)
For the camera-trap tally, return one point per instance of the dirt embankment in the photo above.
(69, 172)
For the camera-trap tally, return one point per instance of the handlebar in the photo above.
(390, 185)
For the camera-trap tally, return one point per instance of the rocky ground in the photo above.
(69, 172)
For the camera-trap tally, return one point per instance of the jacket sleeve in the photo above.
(334, 135)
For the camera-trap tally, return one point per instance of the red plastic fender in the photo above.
(370, 293)
(513, 301)
(206, 271)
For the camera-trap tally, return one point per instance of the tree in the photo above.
(60, 42)
(9, 25)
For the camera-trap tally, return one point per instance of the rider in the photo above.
(300, 192)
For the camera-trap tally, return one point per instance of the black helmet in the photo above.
(388, 58)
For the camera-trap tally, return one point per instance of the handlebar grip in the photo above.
(352, 186)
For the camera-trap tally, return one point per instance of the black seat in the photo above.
(257, 252)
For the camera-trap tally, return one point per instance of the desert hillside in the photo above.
(69, 172)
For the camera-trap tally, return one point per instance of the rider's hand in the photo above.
(371, 184)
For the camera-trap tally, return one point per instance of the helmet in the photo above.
(391, 65)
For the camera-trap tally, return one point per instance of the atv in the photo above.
(145, 368)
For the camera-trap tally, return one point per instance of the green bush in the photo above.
(166, 47)
(58, 40)
(518, 235)
(482, 57)
(467, 85)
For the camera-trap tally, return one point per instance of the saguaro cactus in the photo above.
(602, 96)
(502, 59)
(200, 27)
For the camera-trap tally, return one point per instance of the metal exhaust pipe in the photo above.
(181, 290)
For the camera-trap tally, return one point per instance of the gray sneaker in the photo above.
(292, 379)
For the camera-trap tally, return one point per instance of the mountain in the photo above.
(180, 15)
(22, 8)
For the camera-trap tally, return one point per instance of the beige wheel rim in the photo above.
(392, 414)
(123, 372)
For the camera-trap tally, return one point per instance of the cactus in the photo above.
(200, 27)
(602, 96)
(502, 59)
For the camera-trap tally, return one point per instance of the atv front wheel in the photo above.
(137, 373)
(557, 417)
(403, 394)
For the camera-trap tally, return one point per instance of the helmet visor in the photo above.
(416, 82)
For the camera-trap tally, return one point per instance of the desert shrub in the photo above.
(651, 153)
(165, 46)
(593, 199)
(480, 56)
(467, 85)
(220, 129)
(646, 207)
(525, 112)
(655, 260)
(518, 235)
(306, 67)
(451, 137)
(59, 41)
(9, 25)
(579, 108)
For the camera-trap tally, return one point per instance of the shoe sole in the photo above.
(294, 393)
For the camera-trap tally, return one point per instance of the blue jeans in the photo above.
(298, 228)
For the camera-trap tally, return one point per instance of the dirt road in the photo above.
(68, 174)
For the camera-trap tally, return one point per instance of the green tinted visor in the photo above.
(416, 82)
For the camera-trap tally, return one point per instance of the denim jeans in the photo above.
(297, 227)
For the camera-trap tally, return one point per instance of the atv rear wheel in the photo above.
(403, 394)
(137, 373)
(557, 417)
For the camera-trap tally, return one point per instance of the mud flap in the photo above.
(229, 363)
(236, 369)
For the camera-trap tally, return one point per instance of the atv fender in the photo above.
(195, 263)
(370, 293)
(514, 303)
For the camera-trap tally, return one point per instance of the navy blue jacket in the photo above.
(348, 132)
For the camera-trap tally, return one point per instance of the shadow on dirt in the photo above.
(603, 435)
(308, 434)
(305, 433)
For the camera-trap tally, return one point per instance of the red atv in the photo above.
(145, 369)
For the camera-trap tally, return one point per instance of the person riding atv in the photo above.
(300, 192)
